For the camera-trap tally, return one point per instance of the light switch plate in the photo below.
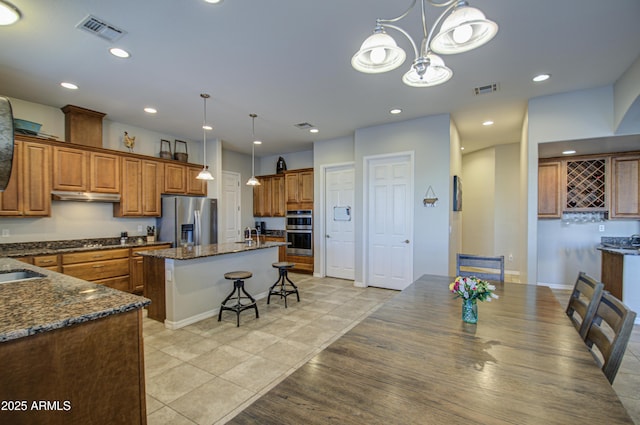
(601, 228)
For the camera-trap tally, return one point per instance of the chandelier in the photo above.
(462, 28)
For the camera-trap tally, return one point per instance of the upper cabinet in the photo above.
(269, 196)
(299, 189)
(625, 194)
(141, 187)
(105, 172)
(28, 193)
(595, 183)
(70, 169)
(549, 189)
(180, 179)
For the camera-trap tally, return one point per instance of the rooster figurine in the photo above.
(129, 142)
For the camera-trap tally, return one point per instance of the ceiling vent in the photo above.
(101, 28)
(304, 125)
(489, 88)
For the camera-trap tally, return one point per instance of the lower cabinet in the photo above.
(137, 267)
(109, 267)
(303, 263)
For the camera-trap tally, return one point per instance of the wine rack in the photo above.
(586, 185)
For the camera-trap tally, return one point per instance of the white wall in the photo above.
(429, 139)
(506, 218)
(478, 202)
(559, 253)
(295, 160)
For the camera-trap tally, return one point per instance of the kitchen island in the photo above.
(187, 284)
(620, 273)
(71, 351)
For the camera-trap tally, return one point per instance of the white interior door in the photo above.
(229, 207)
(339, 225)
(390, 221)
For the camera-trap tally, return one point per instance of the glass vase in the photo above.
(469, 311)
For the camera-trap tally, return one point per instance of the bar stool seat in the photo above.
(281, 288)
(235, 298)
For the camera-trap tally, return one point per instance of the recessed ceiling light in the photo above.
(257, 142)
(569, 152)
(121, 53)
(213, 1)
(313, 130)
(149, 110)
(395, 111)
(9, 14)
(487, 123)
(69, 86)
(541, 77)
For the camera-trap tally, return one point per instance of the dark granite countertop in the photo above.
(200, 251)
(43, 304)
(618, 245)
(26, 249)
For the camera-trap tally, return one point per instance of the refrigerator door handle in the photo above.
(197, 231)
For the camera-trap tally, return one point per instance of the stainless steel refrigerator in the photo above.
(188, 220)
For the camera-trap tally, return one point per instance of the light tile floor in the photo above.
(207, 372)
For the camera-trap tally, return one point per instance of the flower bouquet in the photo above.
(471, 289)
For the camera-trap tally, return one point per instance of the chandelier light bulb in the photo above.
(462, 34)
(378, 55)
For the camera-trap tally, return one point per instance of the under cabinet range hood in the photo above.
(85, 196)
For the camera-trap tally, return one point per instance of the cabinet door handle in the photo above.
(46, 261)
(98, 256)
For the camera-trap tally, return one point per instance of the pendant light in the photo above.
(253, 181)
(205, 174)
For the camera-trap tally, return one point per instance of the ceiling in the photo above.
(289, 62)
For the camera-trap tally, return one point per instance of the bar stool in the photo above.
(236, 295)
(283, 278)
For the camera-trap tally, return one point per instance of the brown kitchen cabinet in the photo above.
(70, 169)
(109, 267)
(28, 193)
(625, 187)
(299, 189)
(262, 197)
(303, 263)
(141, 188)
(105, 172)
(277, 196)
(195, 187)
(137, 266)
(549, 175)
(585, 184)
(175, 179)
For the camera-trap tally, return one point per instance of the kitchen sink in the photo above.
(7, 276)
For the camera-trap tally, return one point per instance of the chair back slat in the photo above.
(482, 267)
(584, 301)
(609, 332)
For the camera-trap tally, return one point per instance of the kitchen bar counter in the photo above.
(72, 344)
(200, 251)
(186, 285)
(56, 301)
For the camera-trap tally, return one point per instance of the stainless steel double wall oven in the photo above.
(300, 232)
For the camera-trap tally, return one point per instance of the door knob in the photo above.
(328, 236)
(406, 241)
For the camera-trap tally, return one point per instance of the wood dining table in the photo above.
(414, 361)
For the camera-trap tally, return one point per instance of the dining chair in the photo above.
(609, 333)
(583, 302)
(482, 267)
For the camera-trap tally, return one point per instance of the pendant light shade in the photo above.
(379, 53)
(465, 29)
(253, 181)
(427, 72)
(204, 174)
(9, 14)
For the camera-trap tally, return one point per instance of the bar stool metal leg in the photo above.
(283, 279)
(236, 295)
